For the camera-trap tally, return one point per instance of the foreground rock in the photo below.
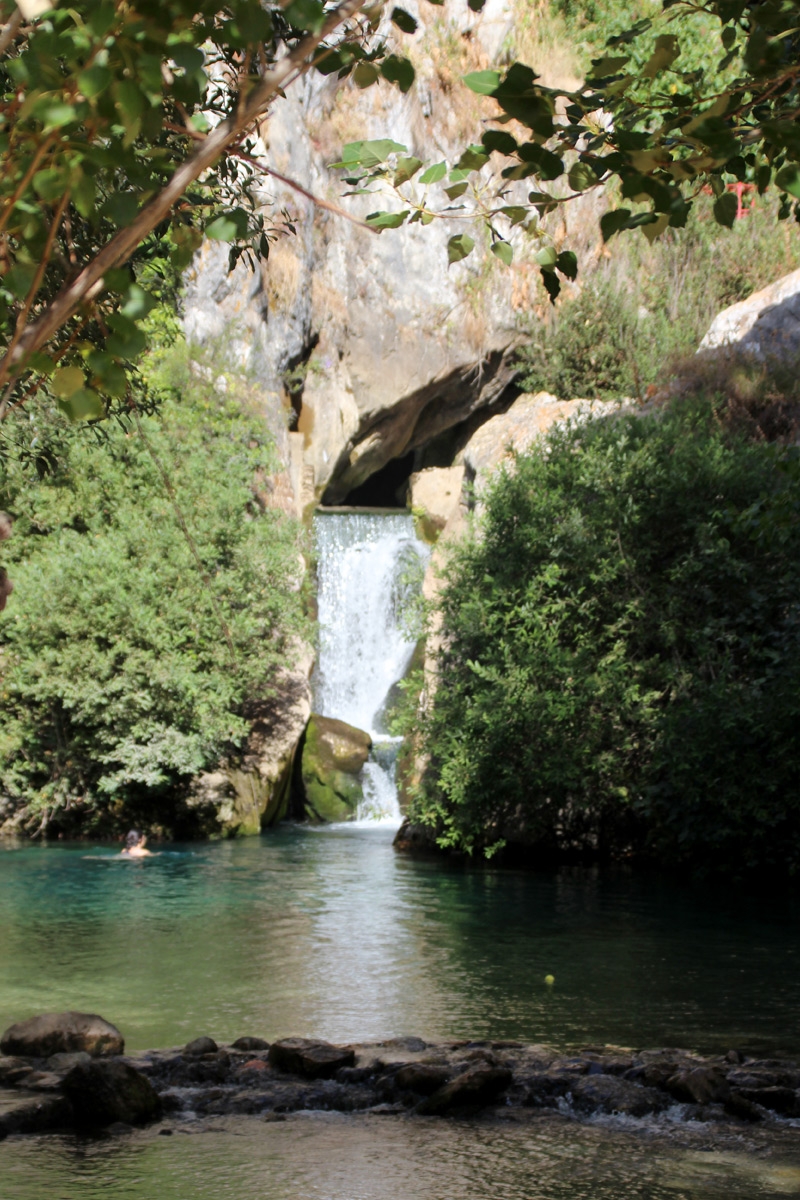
(400, 1076)
(62, 1033)
(332, 757)
(102, 1093)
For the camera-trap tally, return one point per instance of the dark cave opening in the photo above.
(387, 488)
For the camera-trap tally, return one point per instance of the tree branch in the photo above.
(89, 283)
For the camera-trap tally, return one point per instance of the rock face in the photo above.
(62, 1033)
(102, 1093)
(332, 757)
(766, 324)
(368, 348)
(246, 797)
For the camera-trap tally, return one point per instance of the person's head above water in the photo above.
(134, 838)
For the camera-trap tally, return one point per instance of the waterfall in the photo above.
(367, 565)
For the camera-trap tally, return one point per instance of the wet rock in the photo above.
(782, 1100)
(65, 1062)
(207, 1068)
(314, 1060)
(543, 1088)
(200, 1045)
(476, 1087)
(333, 755)
(699, 1085)
(30, 1113)
(62, 1033)
(250, 1043)
(424, 1078)
(610, 1094)
(102, 1092)
(14, 1070)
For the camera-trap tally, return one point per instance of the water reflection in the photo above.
(313, 1156)
(329, 933)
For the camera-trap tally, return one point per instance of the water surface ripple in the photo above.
(330, 933)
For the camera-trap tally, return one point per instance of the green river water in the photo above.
(331, 934)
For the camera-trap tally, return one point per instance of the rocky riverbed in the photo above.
(68, 1071)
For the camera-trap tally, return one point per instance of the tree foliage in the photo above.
(618, 665)
(128, 665)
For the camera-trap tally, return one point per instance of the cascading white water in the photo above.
(367, 562)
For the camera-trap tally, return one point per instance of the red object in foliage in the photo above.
(740, 190)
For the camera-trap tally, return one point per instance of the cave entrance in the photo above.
(387, 488)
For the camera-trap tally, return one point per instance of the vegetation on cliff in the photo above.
(619, 663)
(135, 648)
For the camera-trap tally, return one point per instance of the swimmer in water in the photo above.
(135, 844)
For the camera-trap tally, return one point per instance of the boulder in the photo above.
(65, 1062)
(312, 1059)
(766, 324)
(332, 757)
(610, 1094)
(199, 1046)
(250, 1044)
(478, 1086)
(103, 1092)
(699, 1085)
(783, 1100)
(62, 1033)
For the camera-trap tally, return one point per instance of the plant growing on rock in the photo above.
(618, 663)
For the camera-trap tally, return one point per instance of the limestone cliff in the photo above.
(368, 347)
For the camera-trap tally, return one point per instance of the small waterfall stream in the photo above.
(367, 564)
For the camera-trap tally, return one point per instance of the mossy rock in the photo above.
(333, 755)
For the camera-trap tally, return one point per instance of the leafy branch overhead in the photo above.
(649, 133)
(128, 134)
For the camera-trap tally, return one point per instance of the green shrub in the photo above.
(619, 669)
(118, 679)
(648, 306)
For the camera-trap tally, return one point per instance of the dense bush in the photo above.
(619, 669)
(118, 679)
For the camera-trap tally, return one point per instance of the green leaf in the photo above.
(83, 195)
(138, 303)
(656, 228)
(50, 184)
(368, 154)
(459, 247)
(484, 83)
(567, 264)
(515, 213)
(726, 207)
(581, 176)
(404, 20)
(551, 282)
(228, 226)
(499, 140)
(398, 70)
(66, 381)
(305, 14)
(121, 208)
(94, 80)
(612, 222)
(667, 49)
(475, 6)
(55, 113)
(365, 74)
(406, 169)
(504, 251)
(456, 190)
(473, 158)
(788, 180)
(547, 257)
(610, 65)
(434, 174)
(387, 220)
(127, 341)
(20, 278)
(83, 405)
